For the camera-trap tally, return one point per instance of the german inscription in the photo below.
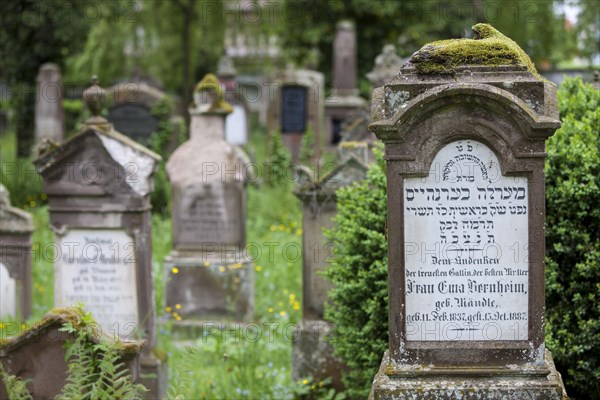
(96, 267)
(466, 254)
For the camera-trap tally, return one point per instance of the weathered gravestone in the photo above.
(131, 110)
(344, 99)
(296, 105)
(98, 185)
(37, 355)
(312, 355)
(355, 126)
(236, 123)
(49, 113)
(465, 168)
(208, 275)
(15, 260)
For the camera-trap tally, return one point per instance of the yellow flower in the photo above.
(281, 227)
(292, 296)
(175, 270)
(1, 325)
(206, 264)
(178, 306)
(305, 381)
(282, 313)
(32, 204)
(272, 228)
(299, 232)
(175, 314)
(270, 309)
(178, 318)
(258, 268)
(168, 309)
(222, 268)
(22, 326)
(43, 196)
(296, 305)
(312, 387)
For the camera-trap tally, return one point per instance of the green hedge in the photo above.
(359, 272)
(573, 240)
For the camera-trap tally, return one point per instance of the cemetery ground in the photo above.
(244, 360)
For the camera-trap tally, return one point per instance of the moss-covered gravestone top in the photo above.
(464, 125)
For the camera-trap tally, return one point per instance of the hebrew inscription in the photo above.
(466, 249)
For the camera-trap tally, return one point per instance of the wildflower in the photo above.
(178, 318)
(270, 309)
(258, 268)
(296, 305)
(175, 270)
(221, 269)
(2, 327)
(292, 296)
(299, 232)
(206, 264)
(168, 309)
(32, 204)
(282, 313)
(43, 196)
(281, 227)
(272, 228)
(305, 381)
(178, 306)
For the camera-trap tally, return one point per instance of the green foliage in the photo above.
(573, 240)
(15, 386)
(307, 147)
(96, 371)
(33, 33)
(75, 113)
(359, 298)
(279, 160)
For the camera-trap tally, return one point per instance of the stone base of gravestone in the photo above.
(312, 354)
(154, 375)
(425, 382)
(209, 288)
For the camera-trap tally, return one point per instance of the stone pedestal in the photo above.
(16, 228)
(344, 100)
(540, 382)
(465, 191)
(207, 275)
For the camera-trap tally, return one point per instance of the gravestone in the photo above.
(208, 276)
(37, 355)
(465, 167)
(344, 99)
(16, 228)
(295, 106)
(131, 110)
(49, 113)
(236, 123)
(312, 355)
(98, 185)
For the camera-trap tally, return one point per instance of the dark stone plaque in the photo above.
(293, 109)
(134, 120)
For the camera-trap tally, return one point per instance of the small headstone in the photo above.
(311, 354)
(49, 114)
(37, 355)
(387, 65)
(16, 228)
(98, 185)
(344, 100)
(208, 275)
(465, 168)
(131, 111)
(296, 106)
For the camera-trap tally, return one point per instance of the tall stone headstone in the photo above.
(312, 355)
(344, 99)
(49, 113)
(208, 274)
(295, 106)
(131, 110)
(236, 123)
(465, 170)
(98, 185)
(16, 228)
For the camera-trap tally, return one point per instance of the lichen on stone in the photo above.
(208, 96)
(489, 47)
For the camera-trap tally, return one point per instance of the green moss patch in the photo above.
(489, 47)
